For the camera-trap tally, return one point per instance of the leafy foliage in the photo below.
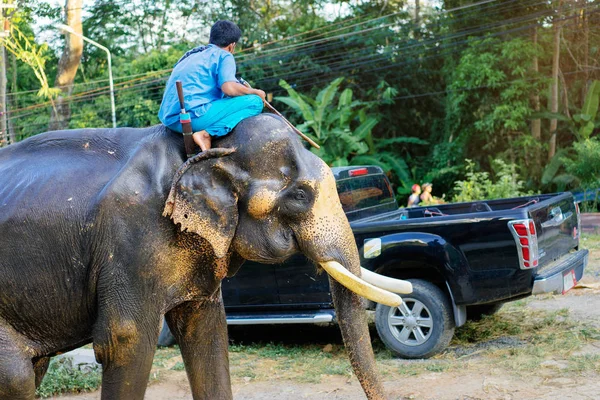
(572, 166)
(345, 131)
(479, 186)
(492, 116)
(586, 162)
(64, 377)
(27, 51)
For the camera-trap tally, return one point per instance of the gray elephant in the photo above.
(104, 231)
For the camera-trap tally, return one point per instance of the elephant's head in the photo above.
(262, 195)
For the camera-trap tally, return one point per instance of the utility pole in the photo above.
(3, 81)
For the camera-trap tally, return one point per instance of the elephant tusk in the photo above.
(385, 282)
(359, 286)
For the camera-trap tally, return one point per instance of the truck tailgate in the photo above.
(556, 222)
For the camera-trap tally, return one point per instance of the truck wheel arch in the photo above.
(425, 270)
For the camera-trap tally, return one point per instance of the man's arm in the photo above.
(229, 84)
(234, 89)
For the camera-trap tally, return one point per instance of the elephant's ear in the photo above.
(202, 200)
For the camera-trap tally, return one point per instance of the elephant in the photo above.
(105, 231)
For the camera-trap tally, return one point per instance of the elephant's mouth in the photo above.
(372, 286)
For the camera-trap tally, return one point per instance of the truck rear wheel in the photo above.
(421, 326)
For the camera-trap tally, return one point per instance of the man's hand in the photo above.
(260, 93)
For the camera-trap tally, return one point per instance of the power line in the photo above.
(286, 38)
(360, 50)
(294, 48)
(327, 39)
(98, 92)
(379, 57)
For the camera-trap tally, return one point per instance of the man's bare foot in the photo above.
(202, 139)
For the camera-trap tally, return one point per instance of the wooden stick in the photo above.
(186, 123)
(296, 130)
(302, 135)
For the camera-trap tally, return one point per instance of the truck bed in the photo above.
(482, 256)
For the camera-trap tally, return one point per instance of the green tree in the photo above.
(344, 132)
(488, 105)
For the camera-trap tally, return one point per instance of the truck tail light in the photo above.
(358, 172)
(525, 235)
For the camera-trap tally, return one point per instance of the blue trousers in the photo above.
(219, 117)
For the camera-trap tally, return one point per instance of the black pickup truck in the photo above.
(463, 259)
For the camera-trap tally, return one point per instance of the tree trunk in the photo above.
(163, 31)
(586, 56)
(417, 12)
(67, 66)
(13, 102)
(13, 87)
(3, 81)
(554, 87)
(536, 124)
(12, 134)
(417, 19)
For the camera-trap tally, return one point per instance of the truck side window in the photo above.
(363, 192)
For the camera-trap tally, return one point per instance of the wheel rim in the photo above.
(410, 323)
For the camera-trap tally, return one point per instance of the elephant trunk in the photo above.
(326, 238)
(351, 311)
(352, 320)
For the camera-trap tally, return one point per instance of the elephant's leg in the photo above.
(125, 347)
(17, 379)
(40, 366)
(201, 331)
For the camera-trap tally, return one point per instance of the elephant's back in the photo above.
(66, 168)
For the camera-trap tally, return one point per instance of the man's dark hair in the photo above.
(223, 33)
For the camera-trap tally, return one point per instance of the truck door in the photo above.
(254, 285)
(299, 283)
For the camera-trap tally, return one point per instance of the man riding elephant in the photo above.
(217, 102)
(104, 231)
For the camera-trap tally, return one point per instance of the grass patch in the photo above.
(163, 356)
(584, 363)
(179, 366)
(590, 241)
(308, 363)
(488, 328)
(542, 336)
(63, 377)
(517, 339)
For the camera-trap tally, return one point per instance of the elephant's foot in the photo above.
(17, 379)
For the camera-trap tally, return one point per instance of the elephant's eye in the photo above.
(300, 195)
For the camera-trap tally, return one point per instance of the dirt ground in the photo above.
(505, 367)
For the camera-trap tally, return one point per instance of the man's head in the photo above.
(224, 34)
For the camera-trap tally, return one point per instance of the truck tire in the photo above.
(475, 313)
(421, 326)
